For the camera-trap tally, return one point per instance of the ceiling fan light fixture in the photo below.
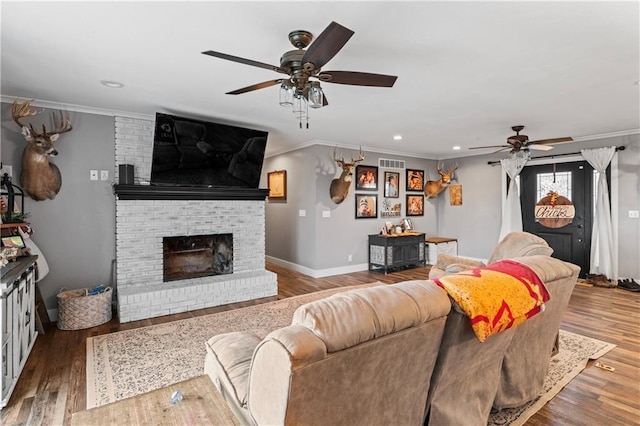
(286, 94)
(316, 95)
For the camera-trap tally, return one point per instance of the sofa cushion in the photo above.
(353, 317)
(233, 353)
(517, 244)
(449, 263)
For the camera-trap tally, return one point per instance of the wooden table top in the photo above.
(438, 240)
(201, 404)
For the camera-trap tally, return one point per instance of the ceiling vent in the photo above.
(386, 163)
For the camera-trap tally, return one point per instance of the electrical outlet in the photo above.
(326, 213)
(104, 174)
(6, 169)
(93, 174)
(350, 258)
(634, 214)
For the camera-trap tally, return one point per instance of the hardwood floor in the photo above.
(52, 384)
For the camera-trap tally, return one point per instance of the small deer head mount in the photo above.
(433, 188)
(40, 179)
(340, 186)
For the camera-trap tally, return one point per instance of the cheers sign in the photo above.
(554, 211)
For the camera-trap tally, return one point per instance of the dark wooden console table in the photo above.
(394, 251)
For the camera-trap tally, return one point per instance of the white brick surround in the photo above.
(141, 224)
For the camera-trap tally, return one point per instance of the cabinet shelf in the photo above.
(12, 225)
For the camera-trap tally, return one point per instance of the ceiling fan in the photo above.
(302, 66)
(519, 142)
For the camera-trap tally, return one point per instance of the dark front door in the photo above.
(572, 242)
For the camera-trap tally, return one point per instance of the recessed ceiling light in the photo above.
(397, 138)
(456, 148)
(112, 84)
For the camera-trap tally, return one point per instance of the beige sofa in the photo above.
(361, 357)
(391, 354)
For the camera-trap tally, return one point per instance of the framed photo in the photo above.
(455, 195)
(277, 184)
(415, 180)
(415, 205)
(408, 226)
(366, 206)
(391, 184)
(366, 178)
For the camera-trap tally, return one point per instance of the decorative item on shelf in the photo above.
(9, 215)
(7, 254)
(277, 184)
(415, 180)
(366, 178)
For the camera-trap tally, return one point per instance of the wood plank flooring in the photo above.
(52, 385)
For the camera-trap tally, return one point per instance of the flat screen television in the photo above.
(190, 152)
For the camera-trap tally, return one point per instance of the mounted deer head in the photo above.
(340, 187)
(40, 179)
(433, 188)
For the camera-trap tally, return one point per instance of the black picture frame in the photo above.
(415, 205)
(415, 180)
(366, 206)
(392, 185)
(366, 178)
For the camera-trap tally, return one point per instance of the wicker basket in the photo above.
(77, 309)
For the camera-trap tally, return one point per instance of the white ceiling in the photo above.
(467, 71)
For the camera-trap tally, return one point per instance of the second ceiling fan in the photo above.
(519, 142)
(304, 67)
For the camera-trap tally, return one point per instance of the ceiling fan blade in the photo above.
(255, 87)
(537, 147)
(491, 146)
(555, 140)
(244, 61)
(326, 45)
(358, 78)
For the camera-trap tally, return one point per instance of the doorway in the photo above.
(575, 181)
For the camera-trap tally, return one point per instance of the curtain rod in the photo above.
(493, 163)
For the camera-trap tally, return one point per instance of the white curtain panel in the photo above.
(512, 213)
(602, 234)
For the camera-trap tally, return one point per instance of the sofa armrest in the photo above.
(231, 354)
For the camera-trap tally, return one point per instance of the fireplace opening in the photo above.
(197, 256)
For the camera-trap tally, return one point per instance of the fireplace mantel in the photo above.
(153, 192)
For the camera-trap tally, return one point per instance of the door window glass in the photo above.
(545, 183)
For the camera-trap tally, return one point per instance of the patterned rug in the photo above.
(128, 363)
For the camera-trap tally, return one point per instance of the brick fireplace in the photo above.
(145, 215)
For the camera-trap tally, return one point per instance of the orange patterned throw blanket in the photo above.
(496, 297)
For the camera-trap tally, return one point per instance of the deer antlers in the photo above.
(341, 161)
(20, 111)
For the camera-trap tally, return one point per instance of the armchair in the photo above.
(514, 244)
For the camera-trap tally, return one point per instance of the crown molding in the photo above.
(42, 103)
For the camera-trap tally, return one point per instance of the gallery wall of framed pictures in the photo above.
(369, 179)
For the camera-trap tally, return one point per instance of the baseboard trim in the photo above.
(317, 273)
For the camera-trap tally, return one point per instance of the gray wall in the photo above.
(320, 243)
(76, 230)
(476, 224)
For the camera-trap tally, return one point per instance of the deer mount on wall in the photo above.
(340, 186)
(39, 178)
(433, 188)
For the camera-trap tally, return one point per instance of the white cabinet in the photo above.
(439, 245)
(17, 321)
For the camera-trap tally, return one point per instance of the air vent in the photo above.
(386, 163)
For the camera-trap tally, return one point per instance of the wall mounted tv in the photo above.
(189, 152)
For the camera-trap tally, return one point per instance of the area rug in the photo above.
(128, 363)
